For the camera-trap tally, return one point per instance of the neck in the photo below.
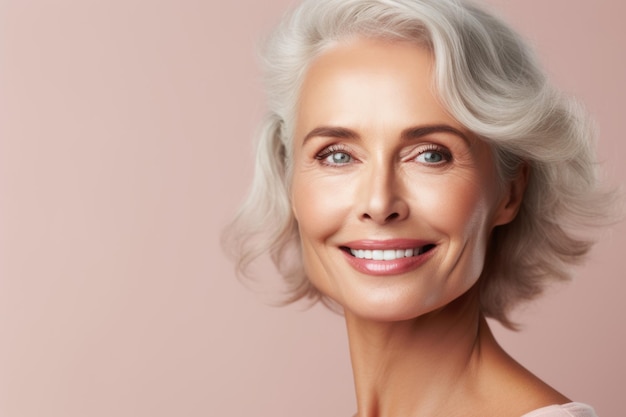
(421, 366)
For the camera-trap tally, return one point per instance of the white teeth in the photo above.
(386, 255)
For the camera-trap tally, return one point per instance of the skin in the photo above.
(377, 158)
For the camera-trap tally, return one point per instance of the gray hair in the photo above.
(488, 79)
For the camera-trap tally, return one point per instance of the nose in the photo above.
(382, 196)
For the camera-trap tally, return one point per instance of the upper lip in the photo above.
(369, 244)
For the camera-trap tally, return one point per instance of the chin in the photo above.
(386, 307)
(390, 309)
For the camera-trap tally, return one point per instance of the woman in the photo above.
(418, 173)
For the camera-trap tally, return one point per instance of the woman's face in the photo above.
(394, 199)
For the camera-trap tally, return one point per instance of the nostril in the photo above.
(392, 216)
(389, 218)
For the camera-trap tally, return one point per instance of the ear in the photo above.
(513, 195)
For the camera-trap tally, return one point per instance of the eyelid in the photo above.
(432, 147)
(330, 149)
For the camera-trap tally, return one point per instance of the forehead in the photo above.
(369, 81)
(364, 51)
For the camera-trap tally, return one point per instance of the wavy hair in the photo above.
(489, 80)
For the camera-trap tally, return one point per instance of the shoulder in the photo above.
(572, 409)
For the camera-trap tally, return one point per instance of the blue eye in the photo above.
(335, 155)
(338, 158)
(434, 155)
(430, 157)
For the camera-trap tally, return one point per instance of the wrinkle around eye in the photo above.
(419, 152)
(332, 158)
(425, 158)
(335, 155)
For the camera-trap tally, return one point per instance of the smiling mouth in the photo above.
(387, 254)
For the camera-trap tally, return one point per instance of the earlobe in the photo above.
(512, 200)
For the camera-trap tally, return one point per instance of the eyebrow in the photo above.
(418, 132)
(331, 132)
(407, 134)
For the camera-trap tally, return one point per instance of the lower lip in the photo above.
(393, 267)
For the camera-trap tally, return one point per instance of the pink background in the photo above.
(125, 131)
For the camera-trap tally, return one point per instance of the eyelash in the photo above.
(339, 148)
(330, 150)
(431, 147)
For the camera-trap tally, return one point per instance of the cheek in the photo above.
(450, 205)
(319, 205)
(462, 211)
(466, 215)
(320, 210)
